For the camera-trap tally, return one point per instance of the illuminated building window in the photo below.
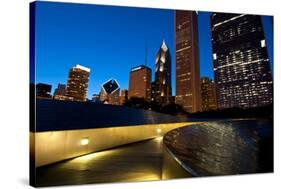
(161, 68)
(215, 56)
(263, 43)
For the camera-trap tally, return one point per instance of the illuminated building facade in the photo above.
(162, 86)
(43, 90)
(208, 94)
(110, 92)
(140, 82)
(77, 84)
(188, 93)
(60, 92)
(123, 96)
(241, 65)
(153, 91)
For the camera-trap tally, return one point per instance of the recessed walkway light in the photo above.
(84, 141)
(159, 130)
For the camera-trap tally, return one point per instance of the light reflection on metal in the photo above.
(159, 139)
(85, 158)
(220, 147)
(96, 155)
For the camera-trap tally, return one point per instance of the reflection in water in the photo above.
(223, 148)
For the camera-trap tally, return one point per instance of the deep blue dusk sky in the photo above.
(110, 41)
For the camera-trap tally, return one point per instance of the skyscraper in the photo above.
(241, 65)
(110, 92)
(60, 92)
(123, 96)
(188, 93)
(43, 91)
(140, 82)
(208, 94)
(77, 84)
(162, 86)
(96, 98)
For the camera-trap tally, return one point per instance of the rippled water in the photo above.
(224, 148)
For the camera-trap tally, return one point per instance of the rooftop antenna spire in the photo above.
(145, 55)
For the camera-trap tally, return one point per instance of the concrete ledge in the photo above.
(53, 146)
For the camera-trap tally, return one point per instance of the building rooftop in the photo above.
(139, 68)
(164, 46)
(110, 86)
(82, 68)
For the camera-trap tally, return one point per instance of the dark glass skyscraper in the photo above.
(110, 92)
(241, 65)
(162, 87)
(77, 84)
(188, 93)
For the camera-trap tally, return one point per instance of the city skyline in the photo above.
(127, 94)
(61, 45)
